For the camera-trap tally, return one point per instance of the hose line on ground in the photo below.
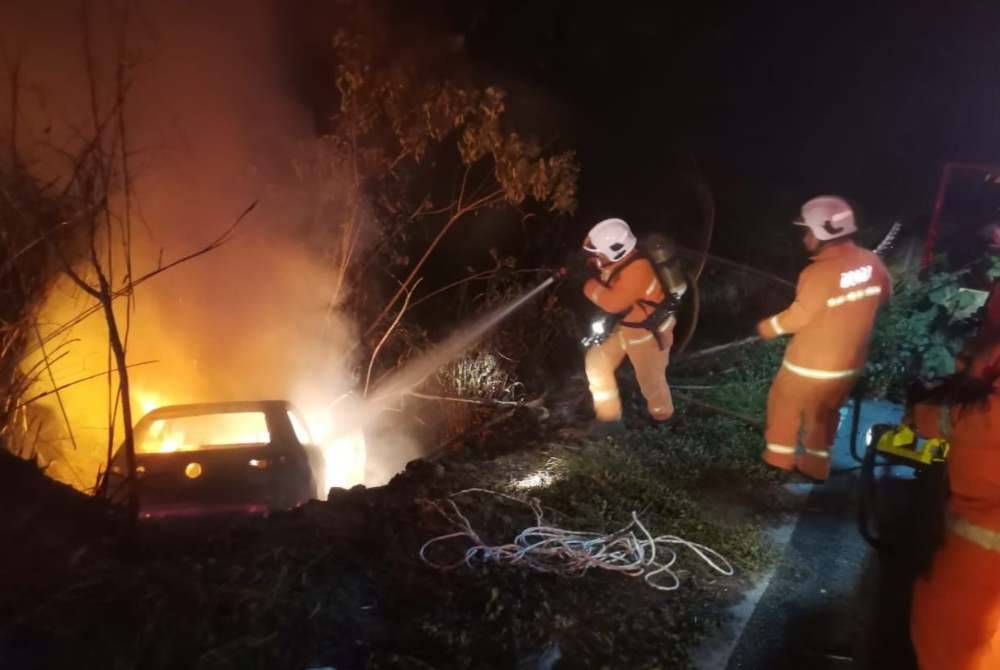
(632, 551)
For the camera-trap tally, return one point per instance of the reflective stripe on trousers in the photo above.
(813, 373)
(981, 536)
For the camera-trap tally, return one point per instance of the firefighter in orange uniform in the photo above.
(836, 301)
(955, 619)
(627, 289)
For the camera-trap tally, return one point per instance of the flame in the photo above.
(205, 431)
(147, 401)
(345, 460)
(157, 441)
(172, 443)
(344, 454)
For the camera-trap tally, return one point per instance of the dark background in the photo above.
(786, 99)
(769, 102)
(766, 103)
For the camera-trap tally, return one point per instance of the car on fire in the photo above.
(196, 460)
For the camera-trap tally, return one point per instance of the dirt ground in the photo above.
(340, 583)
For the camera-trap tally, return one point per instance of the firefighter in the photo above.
(836, 300)
(955, 617)
(637, 322)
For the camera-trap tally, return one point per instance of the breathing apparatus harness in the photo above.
(658, 250)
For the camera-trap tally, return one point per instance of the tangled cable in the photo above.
(632, 551)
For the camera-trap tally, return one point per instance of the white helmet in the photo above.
(828, 217)
(611, 237)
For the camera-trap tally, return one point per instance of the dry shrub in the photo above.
(36, 233)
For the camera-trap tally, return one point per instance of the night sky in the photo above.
(774, 101)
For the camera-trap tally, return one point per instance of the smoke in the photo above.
(212, 123)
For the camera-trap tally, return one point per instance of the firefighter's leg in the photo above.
(784, 419)
(650, 364)
(821, 416)
(600, 363)
(955, 617)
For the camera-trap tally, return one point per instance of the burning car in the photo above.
(218, 458)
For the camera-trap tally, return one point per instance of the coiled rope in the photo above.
(632, 551)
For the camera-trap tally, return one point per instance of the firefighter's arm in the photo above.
(809, 301)
(623, 292)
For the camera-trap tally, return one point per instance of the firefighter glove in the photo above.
(582, 267)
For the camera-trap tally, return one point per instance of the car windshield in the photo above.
(204, 431)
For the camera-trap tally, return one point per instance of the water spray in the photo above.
(405, 380)
(413, 374)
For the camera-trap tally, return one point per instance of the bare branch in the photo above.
(15, 89)
(485, 274)
(484, 201)
(67, 385)
(55, 389)
(388, 332)
(461, 191)
(459, 213)
(9, 263)
(31, 371)
(471, 401)
(212, 246)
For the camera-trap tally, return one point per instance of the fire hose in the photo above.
(632, 551)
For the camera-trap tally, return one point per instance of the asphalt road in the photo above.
(832, 602)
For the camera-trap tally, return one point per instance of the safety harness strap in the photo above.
(659, 312)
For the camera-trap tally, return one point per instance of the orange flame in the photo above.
(343, 453)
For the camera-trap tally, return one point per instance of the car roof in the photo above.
(199, 409)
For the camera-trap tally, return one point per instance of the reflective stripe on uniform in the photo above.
(819, 453)
(854, 296)
(780, 448)
(778, 330)
(651, 289)
(819, 374)
(645, 338)
(596, 293)
(987, 538)
(601, 396)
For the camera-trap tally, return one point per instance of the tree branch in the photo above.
(212, 246)
(461, 192)
(459, 213)
(485, 274)
(67, 385)
(388, 332)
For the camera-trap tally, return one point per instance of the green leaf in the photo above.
(994, 270)
(938, 361)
